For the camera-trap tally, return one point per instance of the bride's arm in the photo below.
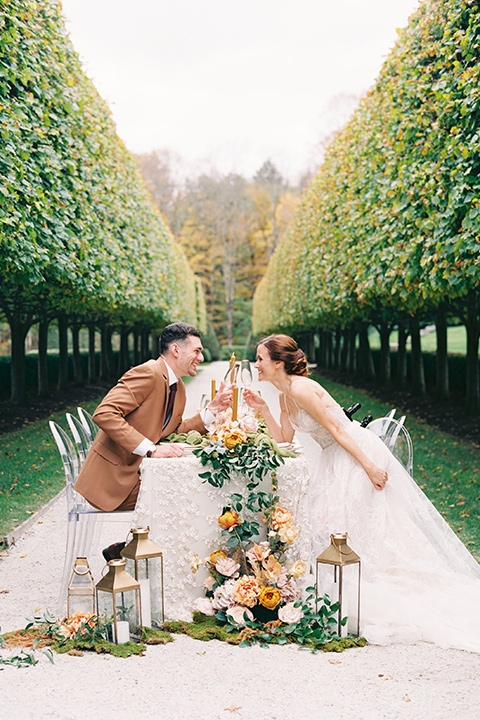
(315, 407)
(281, 432)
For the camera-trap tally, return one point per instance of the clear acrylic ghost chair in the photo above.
(396, 437)
(91, 428)
(81, 438)
(83, 519)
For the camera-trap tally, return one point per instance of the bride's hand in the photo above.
(378, 477)
(253, 400)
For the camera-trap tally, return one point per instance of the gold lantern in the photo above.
(118, 597)
(81, 589)
(340, 555)
(145, 562)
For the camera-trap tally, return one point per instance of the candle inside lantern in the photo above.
(123, 633)
(145, 602)
(235, 403)
(214, 389)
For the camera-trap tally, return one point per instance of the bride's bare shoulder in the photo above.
(303, 387)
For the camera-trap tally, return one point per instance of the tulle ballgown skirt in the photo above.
(419, 582)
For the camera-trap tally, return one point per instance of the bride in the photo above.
(419, 582)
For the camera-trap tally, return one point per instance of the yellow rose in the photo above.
(297, 569)
(228, 520)
(230, 439)
(269, 597)
(216, 555)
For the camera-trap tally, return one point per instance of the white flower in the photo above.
(237, 612)
(288, 534)
(204, 605)
(290, 614)
(223, 596)
(227, 566)
(209, 583)
(195, 563)
(297, 569)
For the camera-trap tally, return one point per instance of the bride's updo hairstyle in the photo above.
(285, 349)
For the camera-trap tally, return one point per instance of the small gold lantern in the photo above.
(118, 597)
(340, 555)
(81, 589)
(145, 562)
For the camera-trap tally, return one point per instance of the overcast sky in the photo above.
(234, 82)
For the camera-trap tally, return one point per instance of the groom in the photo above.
(145, 406)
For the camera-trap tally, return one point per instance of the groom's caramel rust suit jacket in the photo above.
(131, 411)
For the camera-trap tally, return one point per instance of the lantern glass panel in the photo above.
(81, 589)
(149, 573)
(124, 608)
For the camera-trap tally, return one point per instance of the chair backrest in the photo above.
(89, 425)
(396, 437)
(80, 437)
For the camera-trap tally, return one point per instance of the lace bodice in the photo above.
(306, 423)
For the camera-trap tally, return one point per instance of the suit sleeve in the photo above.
(130, 392)
(194, 423)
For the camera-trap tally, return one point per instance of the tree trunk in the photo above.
(42, 366)
(124, 354)
(385, 365)
(345, 351)
(366, 366)
(418, 374)
(322, 355)
(352, 351)
(402, 356)
(328, 349)
(442, 384)
(136, 347)
(62, 353)
(473, 332)
(144, 349)
(92, 358)
(106, 370)
(337, 349)
(77, 362)
(18, 332)
(155, 345)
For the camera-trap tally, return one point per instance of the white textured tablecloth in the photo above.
(182, 512)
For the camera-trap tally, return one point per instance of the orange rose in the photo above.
(269, 597)
(281, 518)
(216, 555)
(228, 520)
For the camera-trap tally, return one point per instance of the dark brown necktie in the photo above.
(171, 400)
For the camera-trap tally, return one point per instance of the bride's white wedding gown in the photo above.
(419, 582)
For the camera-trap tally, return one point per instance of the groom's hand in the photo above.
(223, 398)
(167, 450)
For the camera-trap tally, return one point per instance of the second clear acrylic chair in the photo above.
(396, 437)
(89, 425)
(84, 521)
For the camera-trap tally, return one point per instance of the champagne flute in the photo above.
(246, 373)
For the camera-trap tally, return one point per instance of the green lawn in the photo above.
(456, 340)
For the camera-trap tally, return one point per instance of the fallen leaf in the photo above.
(22, 556)
(202, 653)
(233, 709)
(405, 698)
(334, 661)
(74, 651)
(4, 592)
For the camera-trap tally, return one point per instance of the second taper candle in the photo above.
(235, 403)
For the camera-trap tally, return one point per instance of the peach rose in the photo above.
(203, 605)
(76, 620)
(227, 566)
(273, 568)
(246, 591)
(290, 614)
(228, 520)
(281, 518)
(259, 552)
(269, 597)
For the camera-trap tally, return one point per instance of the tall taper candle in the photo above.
(213, 389)
(233, 360)
(235, 403)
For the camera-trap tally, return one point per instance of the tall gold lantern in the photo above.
(118, 597)
(145, 562)
(339, 555)
(81, 589)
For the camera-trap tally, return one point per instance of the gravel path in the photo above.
(205, 681)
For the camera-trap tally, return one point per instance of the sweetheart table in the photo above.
(182, 512)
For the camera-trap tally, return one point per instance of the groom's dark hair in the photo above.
(176, 332)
